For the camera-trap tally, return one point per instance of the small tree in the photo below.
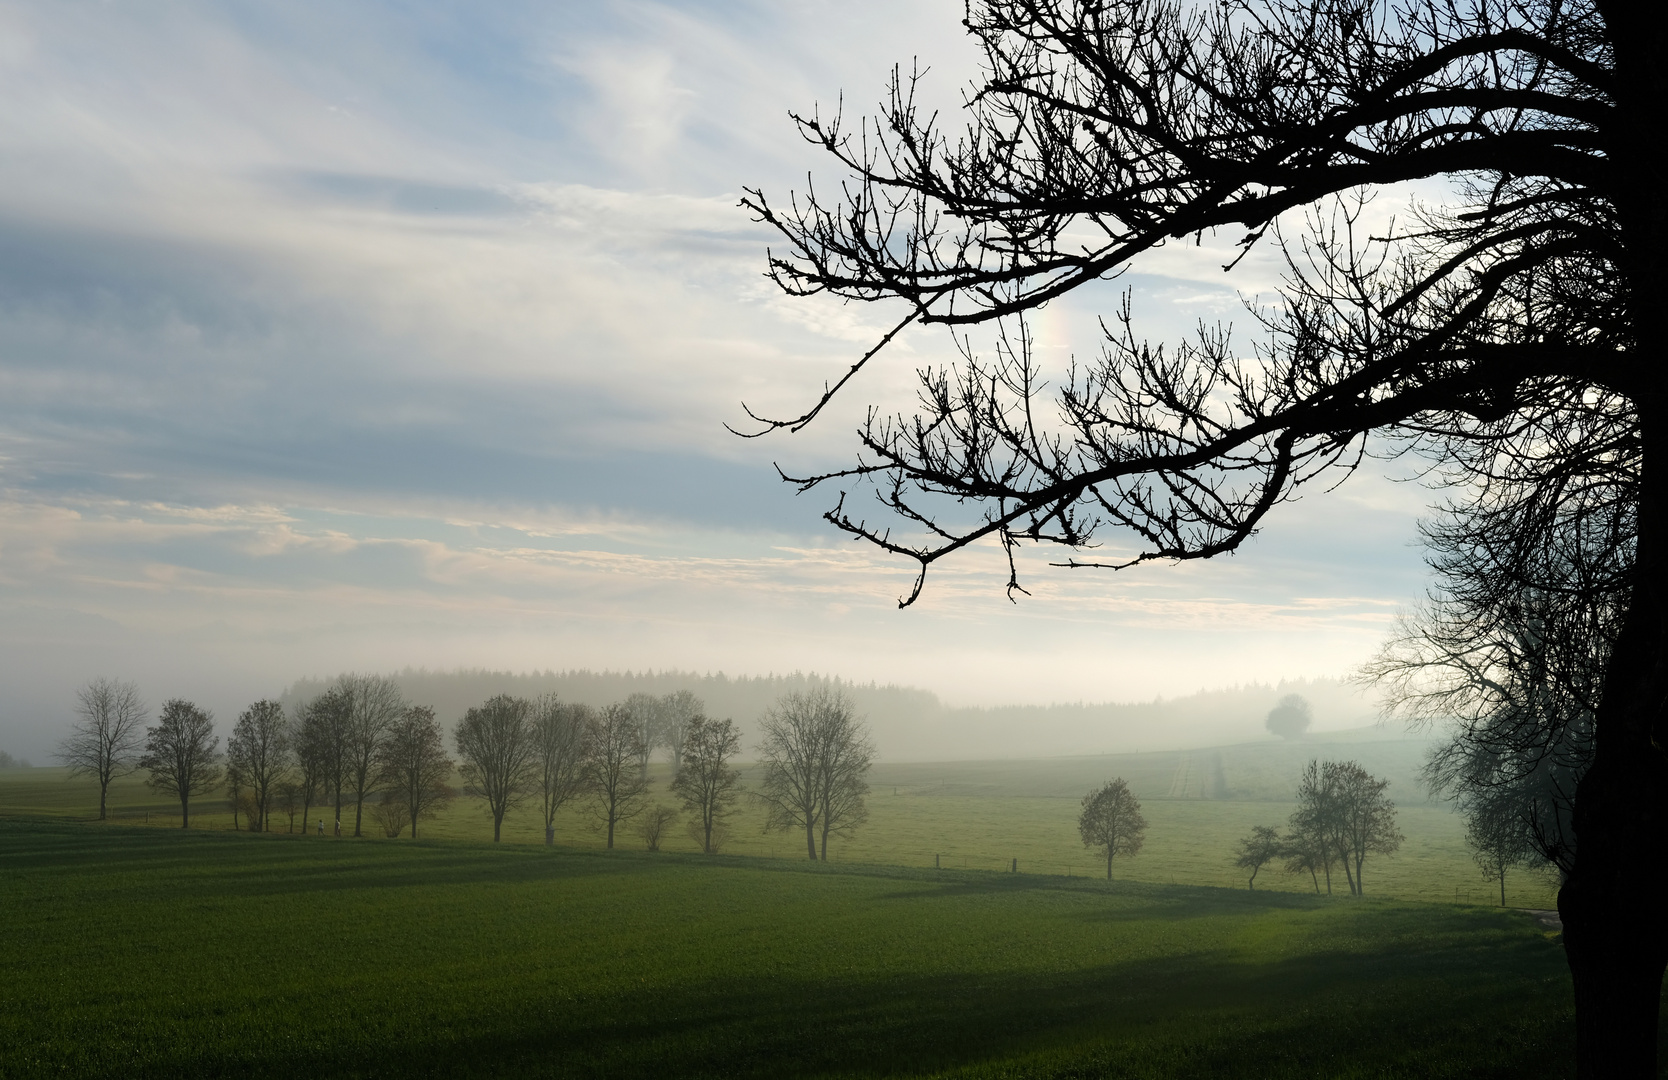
(258, 753)
(1290, 717)
(108, 732)
(495, 742)
(413, 767)
(1111, 821)
(390, 813)
(1497, 842)
(652, 828)
(326, 729)
(559, 749)
(1366, 818)
(614, 749)
(1312, 841)
(308, 737)
(181, 755)
(1263, 846)
(235, 782)
(706, 782)
(645, 710)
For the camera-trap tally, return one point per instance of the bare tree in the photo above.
(1343, 809)
(1497, 844)
(372, 703)
(654, 823)
(1367, 818)
(291, 801)
(108, 733)
(412, 767)
(677, 712)
(235, 793)
(1312, 839)
(843, 768)
(1508, 329)
(495, 744)
(319, 754)
(815, 756)
(706, 782)
(1256, 851)
(1110, 821)
(326, 741)
(259, 751)
(181, 754)
(390, 813)
(646, 710)
(614, 750)
(559, 750)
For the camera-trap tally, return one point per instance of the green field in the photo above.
(158, 952)
(985, 815)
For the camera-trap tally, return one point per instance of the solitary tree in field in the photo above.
(412, 767)
(1256, 851)
(1110, 820)
(816, 756)
(372, 703)
(495, 746)
(1507, 326)
(559, 733)
(1290, 717)
(706, 781)
(259, 752)
(105, 740)
(614, 751)
(181, 754)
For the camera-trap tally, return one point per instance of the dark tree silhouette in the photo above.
(181, 754)
(105, 741)
(1507, 328)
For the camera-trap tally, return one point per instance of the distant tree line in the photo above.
(9, 762)
(359, 743)
(1342, 816)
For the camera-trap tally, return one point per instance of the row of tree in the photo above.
(1342, 816)
(9, 762)
(360, 742)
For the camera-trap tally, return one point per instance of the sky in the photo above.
(357, 337)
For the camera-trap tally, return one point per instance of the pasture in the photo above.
(983, 815)
(157, 952)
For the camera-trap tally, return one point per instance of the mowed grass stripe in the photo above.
(149, 953)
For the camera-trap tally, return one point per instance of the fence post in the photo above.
(1016, 866)
(935, 864)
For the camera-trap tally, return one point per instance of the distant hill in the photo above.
(911, 724)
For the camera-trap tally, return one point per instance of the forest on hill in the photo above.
(911, 724)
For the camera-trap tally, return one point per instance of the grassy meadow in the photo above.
(160, 952)
(984, 815)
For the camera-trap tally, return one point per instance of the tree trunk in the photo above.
(811, 839)
(103, 786)
(1614, 935)
(358, 813)
(185, 811)
(549, 835)
(1360, 883)
(1502, 884)
(611, 828)
(1109, 863)
(497, 826)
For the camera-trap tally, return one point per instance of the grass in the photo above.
(156, 952)
(985, 815)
